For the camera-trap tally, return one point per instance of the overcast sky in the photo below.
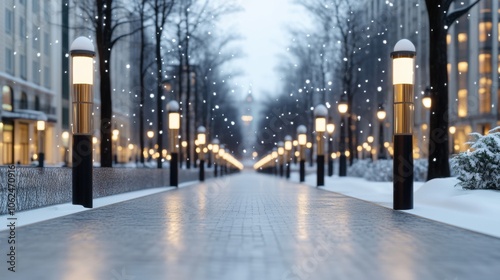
(263, 25)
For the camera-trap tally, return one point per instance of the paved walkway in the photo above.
(248, 226)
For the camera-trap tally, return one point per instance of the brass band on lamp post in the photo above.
(115, 138)
(320, 114)
(381, 115)
(65, 143)
(40, 127)
(281, 158)
(302, 141)
(174, 124)
(403, 65)
(330, 128)
(202, 139)
(82, 80)
(288, 151)
(215, 152)
(452, 129)
(343, 108)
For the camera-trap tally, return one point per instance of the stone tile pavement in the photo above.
(248, 226)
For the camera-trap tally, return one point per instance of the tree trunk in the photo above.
(439, 166)
(159, 101)
(103, 38)
(141, 81)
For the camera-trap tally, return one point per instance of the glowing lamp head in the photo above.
(452, 130)
(174, 119)
(82, 61)
(330, 128)
(288, 143)
(40, 125)
(342, 107)
(150, 134)
(202, 138)
(302, 137)
(381, 113)
(215, 145)
(320, 114)
(403, 62)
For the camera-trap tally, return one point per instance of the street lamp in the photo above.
(427, 100)
(82, 81)
(65, 142)
(202, 139)
(40, 127)
(330, 128)
(274, 155)
(342, 107)
(403, 65)
(381, 115)
(222, 151)
(452, 130)
(320, 114)
(150, 135)
(281, 157)
(215, 152)
(114, 138)
(288, 154)
(302, 141)
(174, 123)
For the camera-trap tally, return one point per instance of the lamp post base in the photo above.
(330, 167)
(320, 171)
(403, 172)
(174, 170)
(82, 170)
(202, 170)
(343, 165)
(288, 170)
(302, 170)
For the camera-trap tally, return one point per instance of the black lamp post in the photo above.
(202, 139)
(82, 81)
(330, 128)
(174, 124)
(302, 141)
(281, 158)
(215, 152)
(275, 156)
(403, 65)
(288, 151)
(320, 114)
(40, 126)
(222, 151)
(342, 107)
(381, 114)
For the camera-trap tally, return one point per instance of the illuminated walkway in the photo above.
(249, 226)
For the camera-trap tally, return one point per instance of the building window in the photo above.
(23, 103)
(46, 43)
(484, 31)
(462, 103)
(22, 28)
(9, 60)
(7, 98)
(9, 17)
(36, 6)
(485, 63)
(37, 103)
(36, 72)
(22, 66)
(462, 37)
(463, 66)
(484, 95)
(46, 77)
(36, 40)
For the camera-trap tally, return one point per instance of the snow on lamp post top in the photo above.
(403, 62)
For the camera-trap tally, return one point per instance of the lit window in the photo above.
(462, 37)
(7, 98)
(462, 103)
(484, 30)
(485, 63)
(463, 66)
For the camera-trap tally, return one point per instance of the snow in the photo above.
(438, 199)
(55, 211)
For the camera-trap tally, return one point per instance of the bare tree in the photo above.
(440, 19)
(106, 18)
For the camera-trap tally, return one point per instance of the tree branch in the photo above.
(450, 19)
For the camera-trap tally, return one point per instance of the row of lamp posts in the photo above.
(403, 65)
(81, 79)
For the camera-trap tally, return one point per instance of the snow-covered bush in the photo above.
(382, 171)
(479, 167)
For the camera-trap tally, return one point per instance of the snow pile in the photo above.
(479, 167)
(381, 170)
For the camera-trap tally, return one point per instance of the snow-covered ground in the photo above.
(438, 199)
